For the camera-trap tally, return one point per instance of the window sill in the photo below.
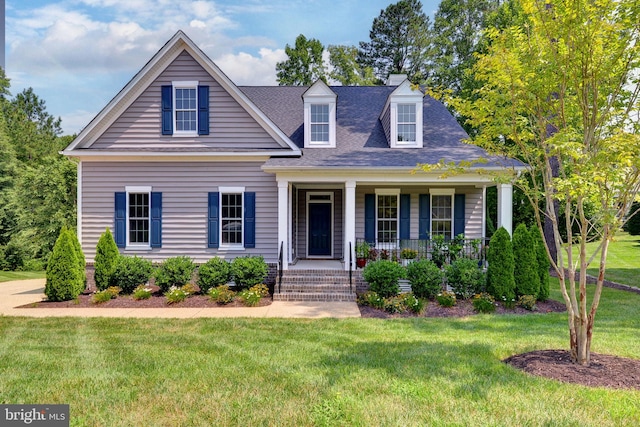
(185, 134)
(138, 248)
(231, 248)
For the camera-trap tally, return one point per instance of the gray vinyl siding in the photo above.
(185, 187)
(231, 127)
(386, 123)
(473, 208)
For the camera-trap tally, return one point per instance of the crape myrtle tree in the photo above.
(562, 87)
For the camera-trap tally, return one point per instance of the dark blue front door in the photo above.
(319, 229)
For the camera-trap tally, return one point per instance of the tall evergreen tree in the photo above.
(304, 64)
(500, 272)
(399, 40)
(526, 263)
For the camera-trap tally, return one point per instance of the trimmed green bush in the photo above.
(105, 260)
(383, 277)
(213, 273)
(543, 264)
(175, 271)
(483, 303)
(222, 294)
(82, 263)
(446, 299)
(64, 278)
(500, 279)
(465, 277)
(130, 272)
(249, 271)
(425, 278)
(525, 271)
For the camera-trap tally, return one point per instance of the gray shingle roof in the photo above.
(360, 138)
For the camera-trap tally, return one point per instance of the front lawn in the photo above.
(364, 372)
(6, 276)
(623, 260)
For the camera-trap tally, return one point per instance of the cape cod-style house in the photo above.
(184, 162)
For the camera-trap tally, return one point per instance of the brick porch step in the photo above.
(315, 285)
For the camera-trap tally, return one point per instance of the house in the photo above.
(184, 162)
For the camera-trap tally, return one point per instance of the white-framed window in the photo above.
(442, 213)
(387, 215)
(138, 216)
(185, 108)
(406, 127)
(231, 217)
(320, 124)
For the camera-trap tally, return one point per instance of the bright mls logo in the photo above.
(34, 415)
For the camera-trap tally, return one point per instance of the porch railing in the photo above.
(280, 263)
(441, 251)
(350, 267)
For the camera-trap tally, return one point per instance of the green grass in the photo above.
(355, 372)
(623, 260)
(6, 276)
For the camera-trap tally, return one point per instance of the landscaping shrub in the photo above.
(413, 304)
(249, 271)
(528, 302)
(142, 292)
(371, 299)
(130, 272)
(105, 260)
(394, 304)
(483, 303)
(250, 297)
(261, 289)
(446, 299)
(82, 263)
(525, 271)
(222, 294)
(383, 276)
(465, 277)
(175, 294)
(64, 278)
(175, 271)
(543, 264)
(215, 272)
(500, 280)
(105, 295)
(632, 226)
(425, 278)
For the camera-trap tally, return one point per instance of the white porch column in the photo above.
(283, 221)
(505, 207)
(349, 222)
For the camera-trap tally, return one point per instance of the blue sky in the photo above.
(77, 54)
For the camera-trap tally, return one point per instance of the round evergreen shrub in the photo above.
(130, 272)
(425, 278)
(500, 280)
(465, 277)
(105, 260)
(175, 271)
(248, 271)
(82, 263)
(215, 272)
(525, 271)
(64, 279)
(383, 277)
(543, 264)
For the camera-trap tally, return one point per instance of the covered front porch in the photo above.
(321, 217)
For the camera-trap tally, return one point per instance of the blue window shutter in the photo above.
(405, 216)
(167, 110)
(424, 216)
(156, 220)
(213, 240)
(203, 110)
(249, 220)
(120, 219)
(370, 218)
(458, 214)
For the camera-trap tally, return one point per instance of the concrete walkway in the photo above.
(21, 292)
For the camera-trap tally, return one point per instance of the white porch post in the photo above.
(350, 222)
(283, 221)
(505, 207)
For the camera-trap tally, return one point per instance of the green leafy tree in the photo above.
(526, 263)
(562, 90)
(304, 64)
(64, 278)
(500, 272)
(542, 263)
(105, 260)
(346, 69)
(398, 41)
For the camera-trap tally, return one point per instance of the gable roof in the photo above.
(361, 140)
(146, 76)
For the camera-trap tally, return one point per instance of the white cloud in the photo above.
(246, 69)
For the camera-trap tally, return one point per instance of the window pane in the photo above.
(231, 218)
(406, 122)
(139, 218)
(387, 218)
(319, 113)
(186, 109)
(441, 215)
(320, 133)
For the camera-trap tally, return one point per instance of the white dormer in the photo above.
(402, 117)
(319, 116)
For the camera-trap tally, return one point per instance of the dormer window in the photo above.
(402, 117)
(186, 111)
(319, 116)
